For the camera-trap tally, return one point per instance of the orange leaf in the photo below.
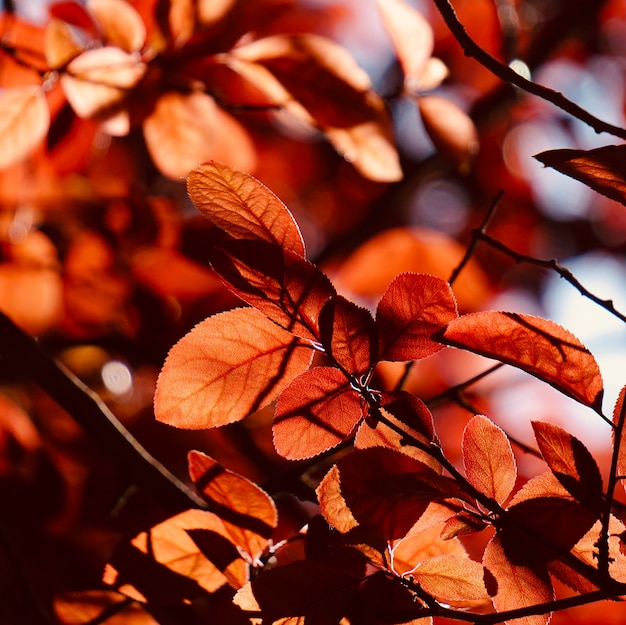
(450, 129)
(348, 333)
(412, 309)
(281, 284)
(61, 43)
(87, 606)
(571, 462)
(243, 207)
(320, 82)
(619, 420)
(225, 368)
(247, 511)
(24, 123)
(538, 346)
(185, 130)
(120, 23)
(488, 458)
(452, 579)
(602, 169)
(97, 80)
(517, 586)
(180, 559)
(411, 35)
(315, 413)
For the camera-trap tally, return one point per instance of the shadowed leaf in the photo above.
(538, 346)
(225, 368)
(316, 412)
(243, 207)
(517, 586)
(488, 458)
(602, 169)
(412, 309)
(24, 122)
(78, 608)
(571, 462)
(247, 511)
(619, 419)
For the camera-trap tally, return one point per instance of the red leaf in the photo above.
(488, 459)
(619, 433)
(247, 511)
(517, 586)
(284, 286)
(316, 412)
(412, 309)
(348, 333)
(24, 122)
(92, 606)
(602, 169)
(243, 207)
(311, 590)
(410, 411)
(384, 488)
(571, 462)
(227, 367)
(538, 346)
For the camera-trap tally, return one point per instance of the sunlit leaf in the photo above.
(488, 458)
(452, 579)
(348, 333)
(320, 82)
(181, 559)
(184, 130)
(619, 433)
(120, 23)
(516, 586)
(312, 590)
(571, 462)
(24, 122)
(247, 511)
(316, 412)
(99, 79)
(411, 35)
(450, 129)
(384, 488)
(61, 44)
(412, 309)
(225, 368)
(281, 284)
(538, 346)
(78, 608)
(602, 169)
(243, 207)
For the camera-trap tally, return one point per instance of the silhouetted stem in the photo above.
(505, 73)
(23, 353)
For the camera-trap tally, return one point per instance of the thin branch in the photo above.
(505, 73)
(23, 353)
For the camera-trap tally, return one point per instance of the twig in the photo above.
(505, 73)
(92, 414)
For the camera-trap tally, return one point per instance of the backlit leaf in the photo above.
(411, 35)
(24, 122)
(488, 458)
(61, 44)
(225, 368)
(571, 462)
(120, 23)
(316, 412)
(412, 309)
(320, 82)
(602, 169)
(281, 284)
(185, 130)
(517, 586)
(384, 488)
(311, 590)
(450, 129)
(78, 608)
(99, 79)
(181, 559)
(452, 579)
(619, 419)
(247, 511)
(348, 333)
(243, 207)
(538, 346)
